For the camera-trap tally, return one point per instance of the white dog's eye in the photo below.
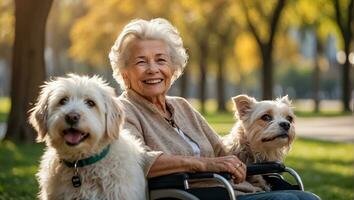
(63, 101)
(267, 118)
(290, 119)
(90, 103)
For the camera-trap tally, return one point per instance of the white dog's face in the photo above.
(76, 114)
(269, 125)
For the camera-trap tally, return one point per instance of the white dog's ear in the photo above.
(285, 99)
(243, 104)
(114, 118)
(39, 115)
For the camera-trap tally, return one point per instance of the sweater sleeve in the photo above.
(149, 155)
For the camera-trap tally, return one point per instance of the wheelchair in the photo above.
(176, 186)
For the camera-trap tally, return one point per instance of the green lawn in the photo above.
(325, 167)
(18, 164)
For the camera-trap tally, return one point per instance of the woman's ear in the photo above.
(126, 79)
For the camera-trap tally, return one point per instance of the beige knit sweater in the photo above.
(147, 123)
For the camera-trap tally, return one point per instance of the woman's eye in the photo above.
(63, 101)
(90, 103)
(267, 118)
(160, 60)
(290, 119)
(140, 62)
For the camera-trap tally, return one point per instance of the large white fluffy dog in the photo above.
(87, 154)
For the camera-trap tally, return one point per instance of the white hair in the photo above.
(155, 29)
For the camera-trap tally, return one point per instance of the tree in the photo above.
(264, 37)
(61, 19)
(205, 17)
(110, 17)
(304, 15)
(226, 34)
(28, 67)
(344, 24)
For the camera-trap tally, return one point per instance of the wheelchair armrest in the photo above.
(175, 180)
(207, 175)
(265, 168)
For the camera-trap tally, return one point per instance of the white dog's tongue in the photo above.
(73, 138)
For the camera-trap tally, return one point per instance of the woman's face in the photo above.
(149, 68)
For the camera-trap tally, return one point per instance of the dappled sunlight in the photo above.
(325, 167)
(19, 163)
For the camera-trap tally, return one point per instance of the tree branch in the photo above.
(339, 17)
(275, 19)
(251, 25)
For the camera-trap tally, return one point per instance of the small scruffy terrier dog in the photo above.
(264, 132)
(88, 155)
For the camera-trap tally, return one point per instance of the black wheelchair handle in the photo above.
(265, 168)
(204, 175)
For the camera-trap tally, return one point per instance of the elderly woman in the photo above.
(146, 59)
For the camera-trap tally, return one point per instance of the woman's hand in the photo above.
(230, 164)
(168, 164)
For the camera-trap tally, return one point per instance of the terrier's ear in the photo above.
(39, 114)
(114, 117)
(285, 100)
(243, 104)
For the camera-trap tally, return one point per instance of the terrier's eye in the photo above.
(290, 119)
(63, 101)
(267, 118)
(90, 103)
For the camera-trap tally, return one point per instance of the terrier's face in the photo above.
(269, 125)
(76, 114)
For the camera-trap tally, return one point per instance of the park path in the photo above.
(339, 129)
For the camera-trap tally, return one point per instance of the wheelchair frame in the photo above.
(175, 185)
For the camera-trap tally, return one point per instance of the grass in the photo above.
(326, 168)
(18, 164)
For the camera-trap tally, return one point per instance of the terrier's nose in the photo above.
(72, 118)
(285, 125)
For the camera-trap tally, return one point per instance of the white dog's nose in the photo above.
(72, 118)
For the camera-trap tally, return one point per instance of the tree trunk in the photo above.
(346, 89)
(316, 74)
(220, 81)
(267, 73)
(344, 24)
(203, 73)
(28, 67)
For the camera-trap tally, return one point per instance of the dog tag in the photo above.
(76, 180)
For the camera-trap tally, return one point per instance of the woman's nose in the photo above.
(153, 67)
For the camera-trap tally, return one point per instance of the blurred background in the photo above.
(266, 49)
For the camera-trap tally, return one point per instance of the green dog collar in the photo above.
(89, 160)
